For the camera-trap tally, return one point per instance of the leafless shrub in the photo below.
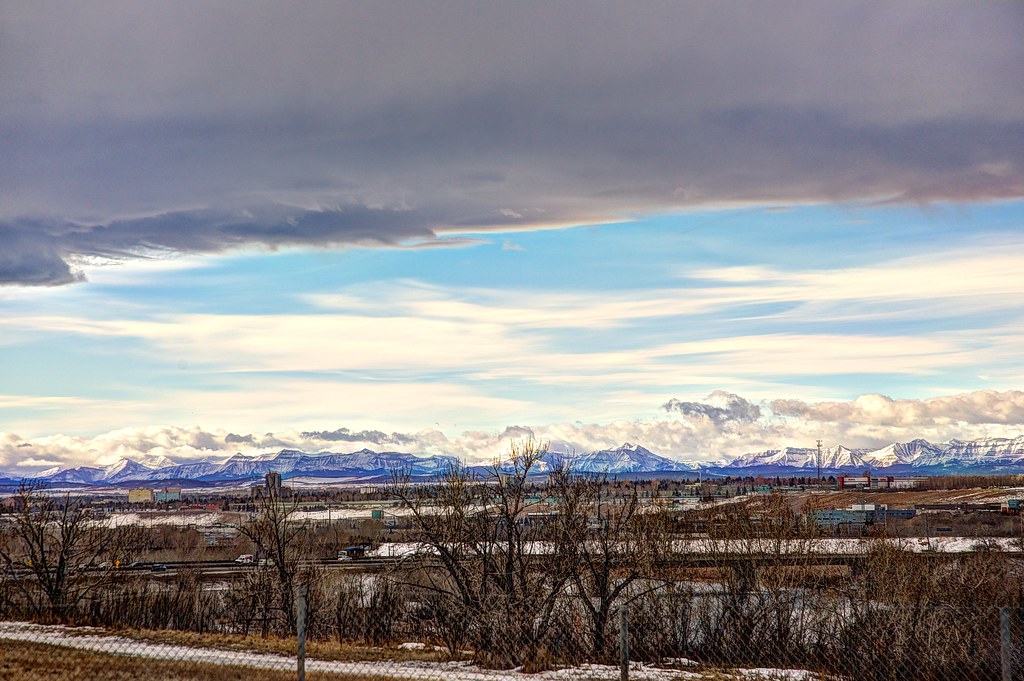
(56, 555)
(368, 609)
(486, 555)
(613, 546)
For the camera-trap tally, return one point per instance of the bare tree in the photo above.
(497, 568)
(56, 555)
(614, 545)
(279, 544)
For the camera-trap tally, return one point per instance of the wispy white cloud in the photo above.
(975, 278)
(42, 401)
(408, 354)
(421, 346)
(415, 330)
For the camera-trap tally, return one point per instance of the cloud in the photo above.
(40, 251)
(345, 435)
(723, 426)
(29, 256)
(231, 438)
(140, 130)
(890, 317)
(975, 408)
(721, 407)
(978, 276)
(37, 463)
(517, 433)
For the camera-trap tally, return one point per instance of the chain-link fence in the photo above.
(388, 625)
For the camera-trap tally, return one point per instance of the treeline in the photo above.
(971, 481)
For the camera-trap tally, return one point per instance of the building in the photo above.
(858, 517)
(273, 482)
(867, 481)
(271, 488)
(167, 494)
(140, 496)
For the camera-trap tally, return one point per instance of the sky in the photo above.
(435, 227)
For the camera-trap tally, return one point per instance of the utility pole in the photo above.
(300, 633)
(818, 461)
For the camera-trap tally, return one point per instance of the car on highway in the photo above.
(158, 567)
(353, 552)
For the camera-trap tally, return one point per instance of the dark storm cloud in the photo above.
(29, 255)
(325, 124)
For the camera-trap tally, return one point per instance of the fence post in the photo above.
(300, 631)
(624, 643)
(1005, 643)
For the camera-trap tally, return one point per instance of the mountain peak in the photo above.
(156, 461)
(122, 464)
(629, 458)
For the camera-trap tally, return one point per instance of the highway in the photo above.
(740, 561)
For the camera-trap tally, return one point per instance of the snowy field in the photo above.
(85, 638)
(208, 519)
(204, 519)
(830, 546)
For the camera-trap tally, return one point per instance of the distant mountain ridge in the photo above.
(629, 458)
(988, 455)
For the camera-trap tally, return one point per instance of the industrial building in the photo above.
(150, 496)
(858, 517)
(140, 496)
(272, 487)
(868, 481)
(1012, 506)
(167, 494)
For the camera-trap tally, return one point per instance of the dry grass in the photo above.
(39, 662)
(904, 498)
(320, 650)
(27, 661)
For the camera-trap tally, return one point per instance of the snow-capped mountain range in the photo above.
(629, 458)
(991, 455)
(289, 463)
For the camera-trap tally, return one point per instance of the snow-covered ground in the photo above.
(155, 519)
(212, 518)
(85, 638)
(832, 546)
